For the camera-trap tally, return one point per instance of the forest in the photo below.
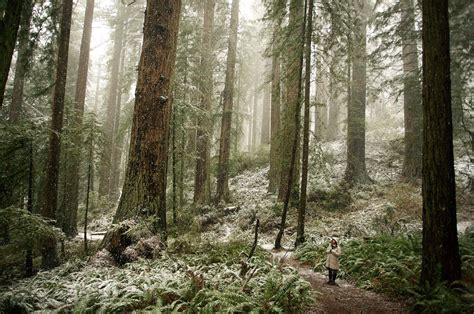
(236, 156)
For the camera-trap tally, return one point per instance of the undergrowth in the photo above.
(203, 278)
(392, 265)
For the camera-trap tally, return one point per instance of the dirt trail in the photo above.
(344, 298)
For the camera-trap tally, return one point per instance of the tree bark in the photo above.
(50, 192)
(356, 171)
(117, 143)
(440, 260)
(202, 182)
(256, 96)
(9, 25)
(144, 190)
(106, 162)
(411, 95)
(297, 9)
(22, 63)
(274, 172)
(295, 62)
(300, 238)
(72, 184)
(266, 107)
(224, 148)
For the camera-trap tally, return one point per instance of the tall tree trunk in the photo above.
(224, 148)
(441, 260)
(72, 184)
(274, 172)
(50, 192)
(356, 171)
(297, 10)
(255, 117)
(106, 162)
(117, 139)
(266, 107)
(29, 251)
(9, 24)
(202, 182)
(144, 190)
(300, 238)
(295, 62)
(333, 117)
(411, 95)
(22, 63)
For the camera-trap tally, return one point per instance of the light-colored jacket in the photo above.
(333, 257)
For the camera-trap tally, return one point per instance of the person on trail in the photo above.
(332, 263)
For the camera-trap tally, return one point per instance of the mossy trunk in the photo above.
(411, 95)
(144, 190)
(300, 237)
(224, 148)
(105, 169)
(356, 171)
(440, 260)
(22, 63)
(202, 182)
(9, 24)
(274, 172)
(50, 192)
(72, 184)
(293, 90)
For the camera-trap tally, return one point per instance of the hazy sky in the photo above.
(101, 31)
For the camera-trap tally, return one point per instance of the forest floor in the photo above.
(385, 208)
(341, 298)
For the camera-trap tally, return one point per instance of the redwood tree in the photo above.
(72, 184)
(144, 190)
(202, 182)
(294, 63)
(356, 171)
(307, 94)
(224, 148)
(274, 171)
(50, 192)
(9, 24)
(441, 260)
(106, 161)
(22, 62)
(411, 94)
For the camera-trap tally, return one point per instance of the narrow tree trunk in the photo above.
(173, 163)
(117, 140)
(274, 172)
(9, 24)
(333, 118)
(72, 184)
(202, 182)
(441, 260)
(255, 117)
(224, 148)
(266, 107)
(50, 192)
(106, 161)
(300, 238)
(22, 63)
(356, 169)
(297, 9)
(295, 62)
(411, 95)
(89, 186)
(29, 252)
(144, 191)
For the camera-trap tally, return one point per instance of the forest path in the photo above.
(340, 299)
